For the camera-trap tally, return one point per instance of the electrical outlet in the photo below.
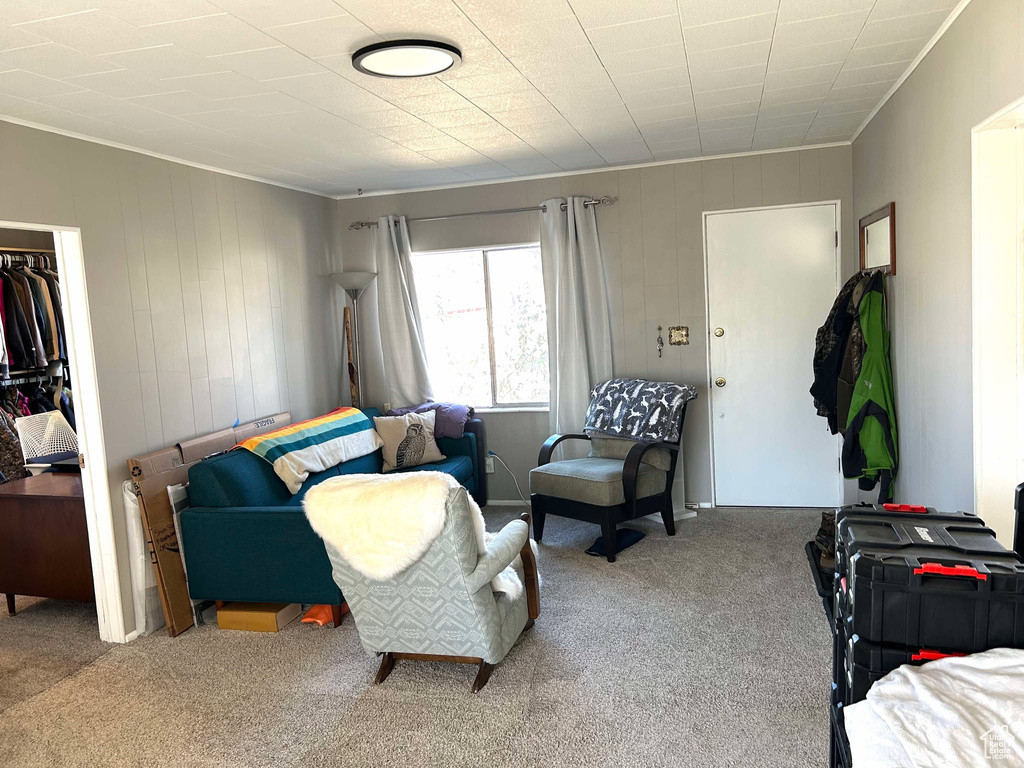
(387, 407)
(489, 465)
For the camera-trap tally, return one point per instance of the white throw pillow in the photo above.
(408, 440)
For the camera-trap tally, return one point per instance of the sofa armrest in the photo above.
(476, 428)
(500, 553)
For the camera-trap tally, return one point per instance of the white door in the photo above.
(772, 275)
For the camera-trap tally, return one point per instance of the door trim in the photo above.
(837, 204)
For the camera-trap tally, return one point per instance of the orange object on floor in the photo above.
(324, 614)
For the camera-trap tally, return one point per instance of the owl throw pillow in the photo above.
(408, 440)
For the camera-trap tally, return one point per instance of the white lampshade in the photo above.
(354, 283)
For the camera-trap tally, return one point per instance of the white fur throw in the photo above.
(382, 524)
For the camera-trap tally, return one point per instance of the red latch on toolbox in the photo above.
(904, 508)
(926, 655)
(937, 569)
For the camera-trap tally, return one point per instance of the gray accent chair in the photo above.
(442, 607)
(620, 480)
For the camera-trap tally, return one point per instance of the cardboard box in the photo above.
(151, 475)
(257, 617)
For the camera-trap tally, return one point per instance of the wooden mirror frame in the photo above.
(886, 211)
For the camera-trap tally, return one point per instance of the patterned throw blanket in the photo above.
(637, 409)
(315, 444)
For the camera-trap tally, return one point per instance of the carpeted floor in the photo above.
(707, 649)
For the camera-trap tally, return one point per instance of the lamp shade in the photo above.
(353, 281)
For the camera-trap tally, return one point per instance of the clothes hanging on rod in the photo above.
(30, 313)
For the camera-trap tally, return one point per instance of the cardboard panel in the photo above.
(151, 475)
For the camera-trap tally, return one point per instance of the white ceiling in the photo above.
(266, 88)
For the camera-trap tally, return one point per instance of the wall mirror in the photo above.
(878, 240)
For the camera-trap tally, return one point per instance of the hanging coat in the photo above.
(870, 447)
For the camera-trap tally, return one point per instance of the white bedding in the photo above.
(961, 712)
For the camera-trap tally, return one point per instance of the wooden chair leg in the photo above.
(482, 676)
(610, 543)
(10, 604)
(387, 664)
(668, 516)
(538, 520)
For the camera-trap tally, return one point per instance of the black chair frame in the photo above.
(609, 517)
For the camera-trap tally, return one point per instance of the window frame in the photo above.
(495, 406)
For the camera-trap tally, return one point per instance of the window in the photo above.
(484, 325)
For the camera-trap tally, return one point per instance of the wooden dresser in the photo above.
(44, 543)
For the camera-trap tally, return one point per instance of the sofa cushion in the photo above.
(459, 467)
(593, 481)
(241, 479)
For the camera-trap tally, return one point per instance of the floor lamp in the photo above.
(354, 284)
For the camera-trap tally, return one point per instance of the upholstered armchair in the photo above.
(634, 428)
(442, 607)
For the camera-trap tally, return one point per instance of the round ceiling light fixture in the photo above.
(406, 58)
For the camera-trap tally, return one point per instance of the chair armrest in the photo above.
(549, 446)
(631, 469)
(531, 576)
(500, 553)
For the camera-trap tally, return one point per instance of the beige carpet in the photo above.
(708, 649)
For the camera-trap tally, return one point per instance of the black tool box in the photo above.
(839, 744)
(930, 584)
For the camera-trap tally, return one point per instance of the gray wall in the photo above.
(653, 245)
(917, 152)
(206, 292)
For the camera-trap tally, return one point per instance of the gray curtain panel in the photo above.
(406, 379)
(576, 293)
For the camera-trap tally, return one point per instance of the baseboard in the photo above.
(506, 503)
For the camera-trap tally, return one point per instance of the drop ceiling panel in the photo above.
(267, 88)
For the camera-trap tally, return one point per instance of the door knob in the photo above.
(719, 331)
(719, 382)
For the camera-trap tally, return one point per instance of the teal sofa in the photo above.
(245, 537)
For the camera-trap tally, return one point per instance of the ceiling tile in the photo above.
(730, 96)
(27, 85)
(212, 35)
(93, 32)
(661, 98)
(904, 51)
(657, 79)
(54, 60)
(602, 13)
(649, 115)
(328, 91)
(843, 107)
(501, 102)
(272, 13)
(22, 11)
(325, 37)
(221, 119)
(871, 90)
(143, 12)
(885, 31)
(790, 108)
(636, 36)
(820, 30)
(865, 75)
(799, 93)
(726, 123)
(18, 37)
(726, 34)
(728, 78)
(733, 57)
(267, 63)
(519, 37)
(661, 57)
(820, 54)
(729, 110)
(785, 121)
(456, 117)
(699, 12)
(488, 85)
(800, 10)
(166, 60)
(176, 103)
(218, 85)
(124, 84)
(794, 78)
(12, 106)
(264, 104)
(889, 9)
(732, 140)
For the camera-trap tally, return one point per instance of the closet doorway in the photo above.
(66, 338)
(771, 277)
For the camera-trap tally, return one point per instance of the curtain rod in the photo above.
(603, 200)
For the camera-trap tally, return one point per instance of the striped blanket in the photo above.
(315, 444)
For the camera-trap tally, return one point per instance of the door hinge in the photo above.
(837, 238)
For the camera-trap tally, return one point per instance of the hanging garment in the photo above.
(28, 306)
(4, 348)
(53, 284)
(41, 295)
(67, 409)
(22, 351)
(12, 463)
(837, 355)
(870, 451)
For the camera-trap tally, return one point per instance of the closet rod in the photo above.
(603, 200)
(26, 250)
